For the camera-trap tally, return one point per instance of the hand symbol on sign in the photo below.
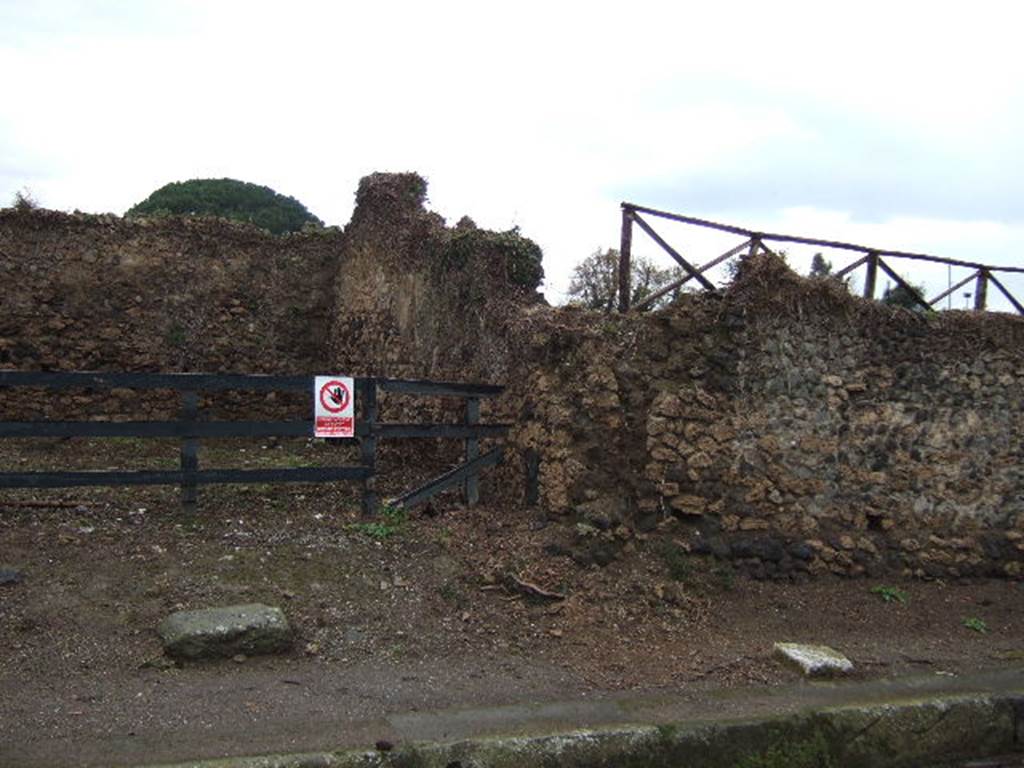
(337, 396)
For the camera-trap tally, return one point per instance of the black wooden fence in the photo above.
(982, 275)
(190, 429)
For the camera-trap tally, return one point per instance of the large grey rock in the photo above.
(814, 660)
(235, 629)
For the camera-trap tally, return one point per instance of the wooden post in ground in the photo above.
(189, 453)
(366, 405)
(870, 276)
(472, 487)
(625, 246)
(981, 290)
(531, 458)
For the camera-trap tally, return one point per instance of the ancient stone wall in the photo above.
(788, 427)
(85, 292)
(872, 437)
(417, 299)
(782, 425)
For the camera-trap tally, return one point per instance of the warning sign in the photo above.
(333, 406)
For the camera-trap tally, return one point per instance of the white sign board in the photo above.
(334, 406)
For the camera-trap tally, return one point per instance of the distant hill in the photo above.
(229, 198)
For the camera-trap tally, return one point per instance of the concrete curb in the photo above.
(901, 733)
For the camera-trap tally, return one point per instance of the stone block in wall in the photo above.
(662, 452)
(672, 440)
(754, 524)
(688, 504)
(648, 504)
(667, 405)
(699, 460)
(669, 489)
(693, 431)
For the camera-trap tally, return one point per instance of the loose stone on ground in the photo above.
(814, 660)
(225, 632)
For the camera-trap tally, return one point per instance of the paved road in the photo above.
(360, 729)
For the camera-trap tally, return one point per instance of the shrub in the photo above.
(230, 199)
(24, 200)
(522, 256)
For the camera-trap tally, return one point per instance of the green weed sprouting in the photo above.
(975, 624)
(890, 594)
(393, 519)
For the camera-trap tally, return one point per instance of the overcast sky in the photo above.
(894, 124)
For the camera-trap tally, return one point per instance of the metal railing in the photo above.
(983, 274)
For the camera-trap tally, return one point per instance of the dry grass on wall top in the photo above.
(765, 286)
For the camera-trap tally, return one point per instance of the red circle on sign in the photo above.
(334, 396)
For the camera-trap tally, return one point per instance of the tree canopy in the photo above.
(229, 198)
(595, 281)
(820, 266)
(898, 296)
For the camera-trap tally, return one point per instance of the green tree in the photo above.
(595, 281)
(820, 266)
(230, 199)
(898, 296)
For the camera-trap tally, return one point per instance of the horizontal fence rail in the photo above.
(212, 382)
(189, 429)
(179, 477)
(872, 261)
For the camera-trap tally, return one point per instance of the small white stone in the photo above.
(814, 660)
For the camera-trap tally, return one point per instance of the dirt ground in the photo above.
(402, 614)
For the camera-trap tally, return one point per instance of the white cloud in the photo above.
(540, 114)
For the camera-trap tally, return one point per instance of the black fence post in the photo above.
(472, 488)
(189, 453)
(531, 458)
(367, 405)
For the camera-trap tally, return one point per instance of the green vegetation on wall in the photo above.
(898, 296)
(522, 256)
(230, 199)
